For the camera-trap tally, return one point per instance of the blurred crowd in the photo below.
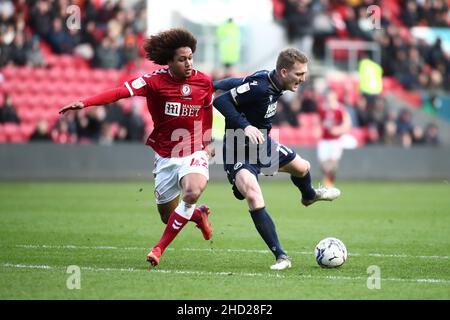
(105, 33)
(103, 124)
(113, 30)
(382, 124)
(415, 63)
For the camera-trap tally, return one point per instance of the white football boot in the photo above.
(283, 262)
(322, 194)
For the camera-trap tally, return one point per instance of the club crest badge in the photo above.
(186, 90)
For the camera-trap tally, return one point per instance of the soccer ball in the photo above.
(330, 253)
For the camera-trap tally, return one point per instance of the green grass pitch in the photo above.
(106, 229)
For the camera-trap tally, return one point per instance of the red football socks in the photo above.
(174, 226)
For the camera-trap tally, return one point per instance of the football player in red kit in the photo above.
(335, 122)
(179, 99)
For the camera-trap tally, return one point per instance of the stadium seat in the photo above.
(9, 71)
(360, 134)
(2, 136)
(308, 120)
(286, 135)
(13, 133)
(31, 116)
(39, 74)
(54, 74)
(27, 130)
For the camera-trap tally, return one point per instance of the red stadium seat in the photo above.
(13, 133)
(27, 129)
(3, 138)
(39, 74)
(360, 134)
(29, 116)
(309, 120)
(9, 72)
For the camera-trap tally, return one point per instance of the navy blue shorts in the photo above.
(266, 160)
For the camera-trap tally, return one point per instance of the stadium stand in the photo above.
(51, 76)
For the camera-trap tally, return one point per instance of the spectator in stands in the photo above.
(5, 51)
(405, 127)
(8, 112)
(6, 9)
(299, 18)
(61, 40)
(308, 100)
(61, 132)
(18, 50)
(362, 112)
(130, 51)
(352, 25)
(431, 135)
(229, 37)
(89, 124)
(365, 24)
(42, 133)
(390, 132)
(41, 19)
(349, 104)
(106, 137)
(133, 123)
(324, 28)
(371, 79)
(417, 135)
(410, 16)
(34, 54)
(287, 115)
(378, 115)
(107, 55)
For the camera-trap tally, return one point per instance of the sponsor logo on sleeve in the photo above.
(243, 88)
(138, 83)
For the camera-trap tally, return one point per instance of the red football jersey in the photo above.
(181, 110)
(331, 118)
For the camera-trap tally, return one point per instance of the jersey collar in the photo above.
(273, 80)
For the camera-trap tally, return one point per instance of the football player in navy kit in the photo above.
(249, 105)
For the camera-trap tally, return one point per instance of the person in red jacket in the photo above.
(179, 99)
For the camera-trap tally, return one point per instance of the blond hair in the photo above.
(288, 57)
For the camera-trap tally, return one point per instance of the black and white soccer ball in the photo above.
(330, 253)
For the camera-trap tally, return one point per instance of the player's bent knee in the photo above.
(254, 199)
(191, 195)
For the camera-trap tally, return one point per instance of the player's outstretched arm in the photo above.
(106, 97)
(77, 105)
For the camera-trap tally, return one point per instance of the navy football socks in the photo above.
(266, 229)
(304, 185)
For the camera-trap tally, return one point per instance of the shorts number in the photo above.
(284, 150)
(197, 162)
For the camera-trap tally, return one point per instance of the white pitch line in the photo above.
(223, 273)
(97, 269)
(380, 255)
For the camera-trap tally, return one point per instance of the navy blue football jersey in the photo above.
(254, 99)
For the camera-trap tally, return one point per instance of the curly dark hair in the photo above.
(161, 47)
